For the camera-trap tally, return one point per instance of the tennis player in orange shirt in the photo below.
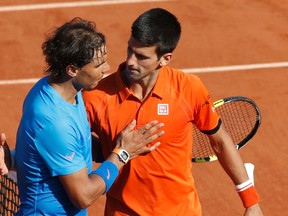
(146, 88)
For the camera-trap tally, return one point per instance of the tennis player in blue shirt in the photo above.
(54, 146)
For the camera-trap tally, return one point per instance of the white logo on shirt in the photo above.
(70, 157)
(163, 109)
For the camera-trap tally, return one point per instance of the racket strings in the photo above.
(9, 197)
(239, 119)
(201, 146)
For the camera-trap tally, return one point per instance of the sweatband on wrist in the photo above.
(247, 193)
(108, 171)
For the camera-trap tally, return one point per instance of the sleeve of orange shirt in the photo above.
(91, 107)
(206, 118)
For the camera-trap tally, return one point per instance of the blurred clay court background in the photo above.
(237, 47)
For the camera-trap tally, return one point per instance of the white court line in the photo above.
(187, 70)
(70, 4)
(236, 67)
(18, 81)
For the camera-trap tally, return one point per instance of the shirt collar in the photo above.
(158, 89)
(161, 83)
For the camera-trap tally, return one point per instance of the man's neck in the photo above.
(66, 90)
(141, 88)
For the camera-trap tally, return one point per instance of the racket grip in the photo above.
(250, 171)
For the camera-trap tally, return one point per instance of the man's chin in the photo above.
(91, 87)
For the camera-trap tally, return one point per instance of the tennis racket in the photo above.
(9, 197)
(241, 118)
(9, 194)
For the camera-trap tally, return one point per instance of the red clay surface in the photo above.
(215, 33)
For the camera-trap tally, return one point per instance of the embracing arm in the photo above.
(83, 188)
(233, 165)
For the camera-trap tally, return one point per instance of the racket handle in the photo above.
(250, 171)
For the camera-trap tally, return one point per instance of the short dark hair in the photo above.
(73, 43)
(157, 27)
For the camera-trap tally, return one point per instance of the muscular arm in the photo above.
(231, 162)
(84, 189)
(228, 156)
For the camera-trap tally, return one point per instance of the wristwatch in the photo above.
(122, 154)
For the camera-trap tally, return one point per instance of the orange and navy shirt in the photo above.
(160, 182)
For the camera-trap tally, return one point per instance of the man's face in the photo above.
(90, 74)
(141, 60)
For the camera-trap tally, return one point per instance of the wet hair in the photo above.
(74, 43)
(157, 27)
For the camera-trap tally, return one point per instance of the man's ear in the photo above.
(165, 59)
(71, 70)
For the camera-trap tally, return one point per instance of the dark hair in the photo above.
(73, 43)
(157, 27)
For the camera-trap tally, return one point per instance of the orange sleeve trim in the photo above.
(249, 197)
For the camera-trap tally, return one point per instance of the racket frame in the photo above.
(241, 144)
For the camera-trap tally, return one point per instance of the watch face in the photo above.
(124, 155)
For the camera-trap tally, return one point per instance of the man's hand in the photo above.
(254, 210)
(136, 141)
(3, 168)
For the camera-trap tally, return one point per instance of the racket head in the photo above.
(9, 196)
(241, 118)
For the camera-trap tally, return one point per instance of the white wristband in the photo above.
(243, 186)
